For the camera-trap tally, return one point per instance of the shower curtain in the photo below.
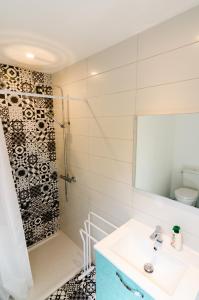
(15, 272)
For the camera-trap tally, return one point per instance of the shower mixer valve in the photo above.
(68, 178)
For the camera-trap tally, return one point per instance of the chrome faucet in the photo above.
(156, 236)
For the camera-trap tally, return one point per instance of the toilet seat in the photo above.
(186, 195)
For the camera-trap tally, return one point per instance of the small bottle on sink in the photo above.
(176, 240)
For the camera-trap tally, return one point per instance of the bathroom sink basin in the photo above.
(175, 274)
(137, 250)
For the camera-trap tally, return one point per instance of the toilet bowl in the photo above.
(187, 195)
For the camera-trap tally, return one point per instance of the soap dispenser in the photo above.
(176, 240)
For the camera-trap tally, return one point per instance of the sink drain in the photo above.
(148, 268)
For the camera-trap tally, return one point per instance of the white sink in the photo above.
(137, 249)
(175, 273)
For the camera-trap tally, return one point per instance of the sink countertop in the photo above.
(188, 286)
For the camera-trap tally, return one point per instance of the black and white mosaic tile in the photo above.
(30, 139)
(76, 289)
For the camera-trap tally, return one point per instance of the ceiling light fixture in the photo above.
(30, 55)
(93, 73)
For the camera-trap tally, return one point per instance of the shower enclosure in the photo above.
(27, 113)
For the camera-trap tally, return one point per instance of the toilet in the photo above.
(187, 195)
(189, 192)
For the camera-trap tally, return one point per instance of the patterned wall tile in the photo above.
(30, 139)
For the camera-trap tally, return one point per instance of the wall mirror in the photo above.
(167, 156)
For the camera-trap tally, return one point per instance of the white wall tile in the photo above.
(106, 206)
(150, 220)
(112, 219)
(114, 189)
(118, 127)
(178, 65)
(79, 126)
(181, 97)
(79, 143)
(80, 109)
(73, 73)
(117, 80)
(112, 148)
(119, 104)
(75, 211)
(59, 78)
(78, 194)
(118, 55)
(71, 225)
(77, 71)
(77, 89)
(117, 170)
(79, 159)
(174, 33)
(72, 230)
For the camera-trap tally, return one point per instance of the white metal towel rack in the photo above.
(89, 240)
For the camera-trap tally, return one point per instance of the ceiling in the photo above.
(47, 35)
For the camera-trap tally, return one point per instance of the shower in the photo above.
(65, 125)
(27, 120)
(66, 136)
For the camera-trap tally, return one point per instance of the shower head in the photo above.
(51, 116)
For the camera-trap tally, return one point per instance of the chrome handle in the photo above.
(157, 232)
(135, 292)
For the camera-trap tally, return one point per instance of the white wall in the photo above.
(156, 72)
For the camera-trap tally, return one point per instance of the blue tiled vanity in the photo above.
(112, 284)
